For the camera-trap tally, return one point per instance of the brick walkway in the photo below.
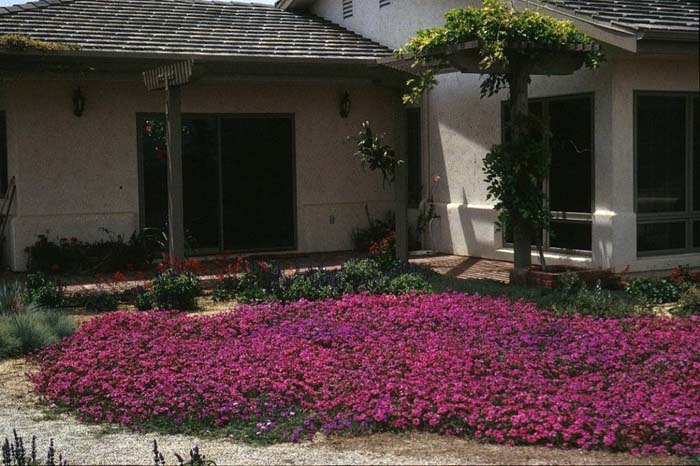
(452, 266)
(467, 267)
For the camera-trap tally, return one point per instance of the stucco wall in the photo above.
(77, 175)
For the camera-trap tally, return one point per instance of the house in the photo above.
(266, 158)
(625, 178)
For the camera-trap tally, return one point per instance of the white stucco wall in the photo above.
(461, 127)
(77, 175)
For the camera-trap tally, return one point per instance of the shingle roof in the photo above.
(638, 15)
(191, 27)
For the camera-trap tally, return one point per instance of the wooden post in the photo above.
(522, 234)
(401, 187)
(176, 223)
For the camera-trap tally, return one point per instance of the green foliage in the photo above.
(265, 283)
(43, 291)
(171, 289)
(11, 298)
(654, 290)
(100, 301)
(358, 276)
(376, 231)
(515, 173)
(142, 300)
(690, 300)
(374, 155)
(408, 283)
(575, 297)
(73, 256)
(311, 285)
(495, 27)
(31, 330)
(225, 289)
(20, 42)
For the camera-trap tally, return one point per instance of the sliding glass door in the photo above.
(238, 180)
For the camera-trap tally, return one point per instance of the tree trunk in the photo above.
(518, 82)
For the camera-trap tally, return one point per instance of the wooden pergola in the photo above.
(466, 58)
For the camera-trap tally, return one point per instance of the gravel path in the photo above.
(90, 444)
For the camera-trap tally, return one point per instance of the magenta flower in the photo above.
(486, 368)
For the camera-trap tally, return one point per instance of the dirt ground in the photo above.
(98, 444)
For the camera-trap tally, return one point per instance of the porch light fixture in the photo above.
(345, 105)
(78, 103)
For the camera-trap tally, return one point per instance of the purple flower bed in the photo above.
(465, 365)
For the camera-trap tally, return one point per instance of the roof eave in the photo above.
(167, 56)
(294, 5)
(616, 36)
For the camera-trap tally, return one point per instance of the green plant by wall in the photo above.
(20, 42)
(374, 154)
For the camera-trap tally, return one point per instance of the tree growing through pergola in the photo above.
(507, 47)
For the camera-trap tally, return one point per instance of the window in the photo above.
(569, 124)
(3, 154)
(383, 3)
(413, 153)
(667, 164)
(347, 9)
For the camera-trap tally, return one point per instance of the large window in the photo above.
(568, 123)
(3, 154)
(667, 168)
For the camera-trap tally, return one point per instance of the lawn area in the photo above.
(456, 364)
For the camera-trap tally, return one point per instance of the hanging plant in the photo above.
(374, 155)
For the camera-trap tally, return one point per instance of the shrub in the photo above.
(43, 291)
(311, 285)
(376, 231)
(683, 275)
(690, 300)
(100, 301)
(576, 297)
(175, 290)
(142, 299)
(74, 256)
(12, 298)
(364, 275)
(264, 282)
(654, 290)
(225, 289)
(491, 369)
(408, 283)
(31, 330)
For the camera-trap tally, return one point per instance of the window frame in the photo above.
(563, 216)
(692, 212)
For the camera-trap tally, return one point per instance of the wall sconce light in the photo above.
(345, 105)
(78, 103)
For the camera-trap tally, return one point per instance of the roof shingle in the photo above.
(637, 15)
(190, 27)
